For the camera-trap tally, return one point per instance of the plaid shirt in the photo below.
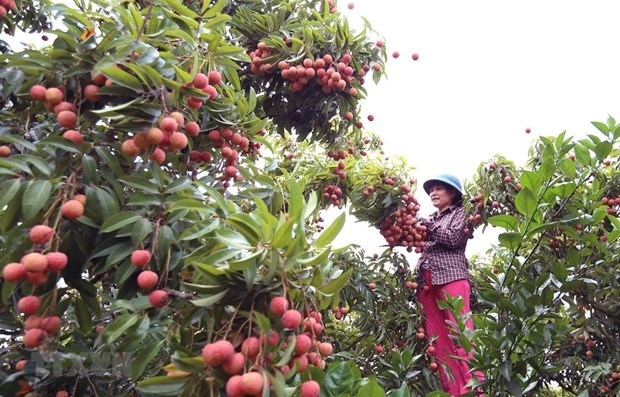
(444, 249)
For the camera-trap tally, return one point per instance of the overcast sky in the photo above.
(487, 70)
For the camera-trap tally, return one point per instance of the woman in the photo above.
(443, 269)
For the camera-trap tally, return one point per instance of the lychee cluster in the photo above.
(148, 279)
(402, 227)
(53, 99)
(247, 366)
(613, 204)
(333, 193)
(166, 137)
(34, 267)
(206, 84)
(230, 144)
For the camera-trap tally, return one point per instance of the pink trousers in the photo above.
(452, 358)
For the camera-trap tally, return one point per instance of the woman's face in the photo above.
(441, 196)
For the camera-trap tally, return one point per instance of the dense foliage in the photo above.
(165, 168)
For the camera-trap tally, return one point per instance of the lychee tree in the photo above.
(163, 175)
(548, 291)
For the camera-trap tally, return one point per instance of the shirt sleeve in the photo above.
(451, 234)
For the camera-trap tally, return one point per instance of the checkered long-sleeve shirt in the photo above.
(444, 249)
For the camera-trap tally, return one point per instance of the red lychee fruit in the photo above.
(301, 362)
(34, 337)
(129, 148)
(215, 77)
(32, 322)
(395, 54)
(29, 304)
(168, 124)
(200, 81)
(20, 365)
(251, 347)
(211, 91)
(235, 364)
(154, 136)
(178, 140)
(415, 56)
(14, 272)
(179, 118)
(192, 128)
(72, 209)
(218, 352)
(74, 136)
(158, 298)
(62, 393)
(158, 156)
(234, 387)
(91, 93)
(252, 383)
(34, 262)
(291, 319)
(37, 278)
(37, 92)
(325, 348)
(303, 344)
(56, 261)
(81, 198)
(67, 119)
(5, 151)
(351, 6)
(64, 105)
(310, 388)
(54, 95)
(51, 324)
(140, 258)
(278, 305)
(148, 279)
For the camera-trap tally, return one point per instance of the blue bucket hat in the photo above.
(448, 179)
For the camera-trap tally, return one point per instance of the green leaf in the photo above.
(335, 285)
(9, 189)
(110, 160)
(119, 220)
(200, 229)
(215, 8)
(35, 196)
(339, 380)
(232, 239)
(101, 203)
(510, 240)
(189, 204)
(162, 385)
(602, 150)
(91, 175)
(142, 184)
(140, 230)
(371, 388)
(283, 234)
(210, 300)
(122, 78)
(178, 184)
(507, 222)
(83, 316)
(142, 360)
(526, 203)
(531, 180)
(118, 327)
(12, 165)
(403, 391)
(331, 232)
(582, 154)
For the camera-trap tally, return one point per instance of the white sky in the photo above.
(487, 70)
